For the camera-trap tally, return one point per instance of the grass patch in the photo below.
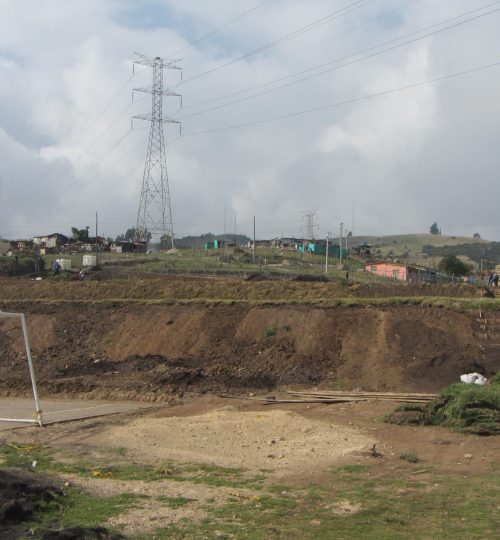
(351, 508)
(23, 456)
(271, 330)
(175, 502)
(77, 508)
(353, 469)
(411, 457)
(468, 408)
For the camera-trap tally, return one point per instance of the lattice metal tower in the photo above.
(310, 224)
(154, 217)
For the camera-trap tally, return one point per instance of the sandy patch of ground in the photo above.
(154, 511)
(283, 441)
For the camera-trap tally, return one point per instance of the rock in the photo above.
(468, 456)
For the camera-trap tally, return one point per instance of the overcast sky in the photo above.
(401, 159)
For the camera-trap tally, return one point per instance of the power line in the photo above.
(345, 102)
(216, 30)
(69, 187)
(94, 122)
(413, 40)
(292, 54)
(315, 24)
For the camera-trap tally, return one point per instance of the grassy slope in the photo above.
(413, 243)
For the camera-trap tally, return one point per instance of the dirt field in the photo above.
(285, 450)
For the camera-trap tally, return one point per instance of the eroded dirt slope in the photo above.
(151, 351)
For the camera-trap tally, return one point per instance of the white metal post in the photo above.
(31, 369)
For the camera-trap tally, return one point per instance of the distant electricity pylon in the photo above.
(154, 217)
(309, 219)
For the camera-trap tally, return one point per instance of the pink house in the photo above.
(389, 270)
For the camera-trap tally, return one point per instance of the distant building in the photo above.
(402, 272)
(126, 246)
(50, 244)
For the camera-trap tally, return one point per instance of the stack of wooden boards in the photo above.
(341, 396)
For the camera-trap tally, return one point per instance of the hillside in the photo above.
(428, 249)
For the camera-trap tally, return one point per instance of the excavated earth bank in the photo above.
(137, 350)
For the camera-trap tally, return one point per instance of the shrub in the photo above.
(411, 457)
(20, 265)
(464, 407)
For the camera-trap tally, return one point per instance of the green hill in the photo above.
(428, 249)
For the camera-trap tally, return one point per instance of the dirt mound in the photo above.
(21, 494)
(282, 440)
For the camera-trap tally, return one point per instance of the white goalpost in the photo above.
(38, 410)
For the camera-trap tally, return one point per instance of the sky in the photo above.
(380, 114)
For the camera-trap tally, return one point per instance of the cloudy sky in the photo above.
(389, 108)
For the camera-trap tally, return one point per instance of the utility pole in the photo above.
(96, 255)
(340, 243)
(253, 254)
(154, 216)
(326, 256)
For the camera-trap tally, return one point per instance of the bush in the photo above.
(468, 408)
(20, 265)
(411, 457)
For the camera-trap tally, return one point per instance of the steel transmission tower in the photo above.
(310, 223)
(154, 217)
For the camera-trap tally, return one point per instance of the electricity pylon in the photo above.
(154, 217)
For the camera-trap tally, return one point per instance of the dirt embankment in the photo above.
(177, 288)
(154, 351)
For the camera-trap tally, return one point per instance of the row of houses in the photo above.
(57, 243)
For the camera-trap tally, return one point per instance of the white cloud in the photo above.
(406, 158)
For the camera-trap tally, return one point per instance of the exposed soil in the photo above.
(21, 494)
(134, 348)
(153, 351)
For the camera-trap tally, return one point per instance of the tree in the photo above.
(80, 235)
(130, 236)
(476, 235)
(453, 266)
(434, 229)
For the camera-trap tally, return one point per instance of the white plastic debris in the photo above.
(473, 378)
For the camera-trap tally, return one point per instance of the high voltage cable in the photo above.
(72, 163)
(212, 32)
(299, 51)
(99, 116)
(318, 22)
(346, 102)
(331, 61)
(99, 172)
(223, 105)
(112, 184)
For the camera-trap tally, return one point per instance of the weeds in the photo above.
(271, 330)
(410, 457)
(468, 408)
